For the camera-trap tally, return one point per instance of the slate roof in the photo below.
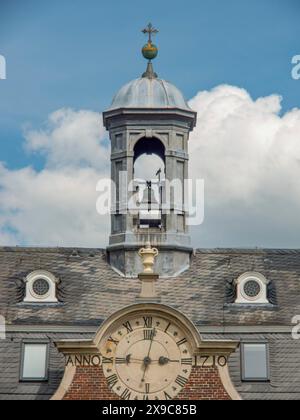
(284, 367)
(10, 350)
(90, 290)
(284, 362)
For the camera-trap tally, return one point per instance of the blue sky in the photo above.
(76, 54)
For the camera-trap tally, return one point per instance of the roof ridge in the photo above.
(49, 249)
(248, 250)
(196, 250)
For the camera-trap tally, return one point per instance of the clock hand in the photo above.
(133, 359)
(147, 359)
(164, 360)
(151, 342)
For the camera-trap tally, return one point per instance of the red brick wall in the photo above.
(89, 383)
(204, 384)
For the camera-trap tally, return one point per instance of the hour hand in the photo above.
(127, 358)
(165, 360)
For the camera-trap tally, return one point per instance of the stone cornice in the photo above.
(204, 329)
(157, 113)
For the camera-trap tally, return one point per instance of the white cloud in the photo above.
(71, 139)
(249, 157)
(57, 206)
(248, 154)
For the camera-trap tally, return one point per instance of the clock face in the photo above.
(146, 357)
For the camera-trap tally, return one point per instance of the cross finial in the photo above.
(150, 30)
(149, 51)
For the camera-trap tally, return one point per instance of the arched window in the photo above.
(252, 287)
(149, 146)
(41, 287)
(149, 176)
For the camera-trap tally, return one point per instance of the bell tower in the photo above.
(149, 116)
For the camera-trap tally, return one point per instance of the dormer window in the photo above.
(252, 288)
(41, 287)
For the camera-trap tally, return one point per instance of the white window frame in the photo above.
(243, 361)
(34, 379)
(31, 296)
(242, 297)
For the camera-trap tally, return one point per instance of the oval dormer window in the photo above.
(252, 288)
(41, 287)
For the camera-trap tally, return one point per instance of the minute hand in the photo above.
(153, 361)
(151, 342)
(147, 357)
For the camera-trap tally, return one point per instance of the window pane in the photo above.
(255, 361)
(34, 366)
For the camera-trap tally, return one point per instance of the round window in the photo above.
(40, 287)
(252, 289)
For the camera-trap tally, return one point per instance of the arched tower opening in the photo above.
(149, 177)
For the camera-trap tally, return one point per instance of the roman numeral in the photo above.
(148, 321)
(181, 381)
(120, 360)
(126, 394)
(128, 327)
(147, 387)
(113, 340)
(149, 334)
(187, 361)
(145, 397)
(167, 396)
(168, 326)
(180, 342)
(107, 360)
(112, 380)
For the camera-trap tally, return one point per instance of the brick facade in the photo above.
(204, 384)
(89, 383)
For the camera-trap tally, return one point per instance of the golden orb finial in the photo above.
(150, 50)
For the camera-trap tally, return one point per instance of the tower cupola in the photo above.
(149, 116)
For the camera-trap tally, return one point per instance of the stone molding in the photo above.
(199, 346)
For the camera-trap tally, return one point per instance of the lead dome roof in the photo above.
(149, 92)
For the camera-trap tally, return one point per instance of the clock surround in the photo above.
(206, 378)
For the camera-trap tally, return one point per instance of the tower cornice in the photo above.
(158, 114)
